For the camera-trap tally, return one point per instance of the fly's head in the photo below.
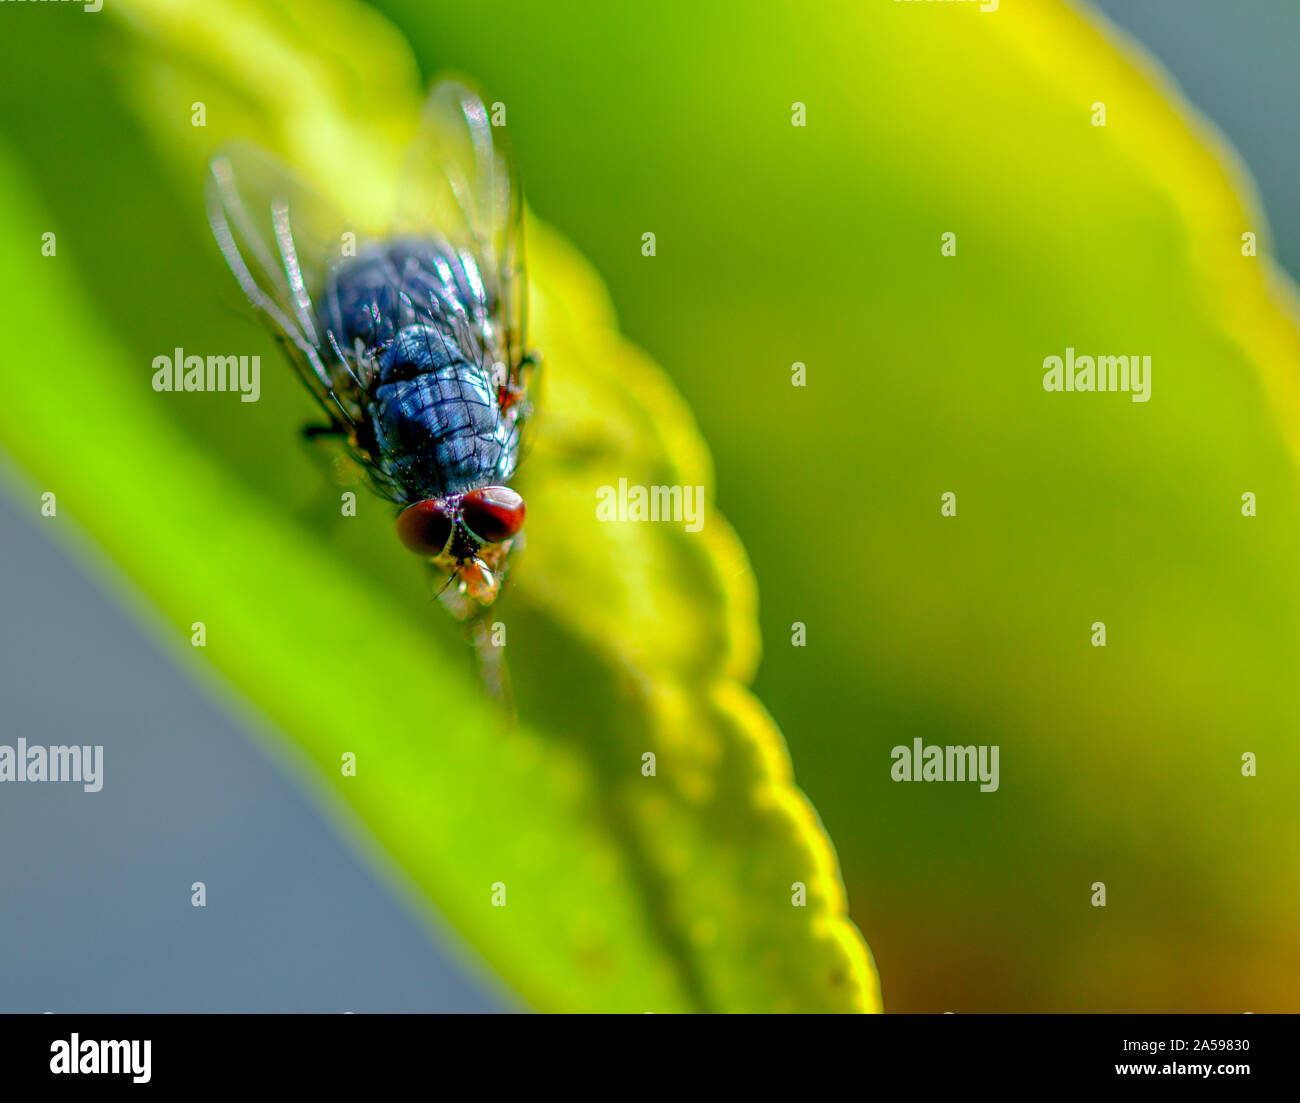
(467, 537)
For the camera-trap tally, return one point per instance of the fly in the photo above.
(412, 344)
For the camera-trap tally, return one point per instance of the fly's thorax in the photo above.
(392, 284)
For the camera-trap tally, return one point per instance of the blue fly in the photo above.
(412, 343)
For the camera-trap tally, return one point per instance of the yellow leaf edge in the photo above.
(727, 690)
(1253, 300)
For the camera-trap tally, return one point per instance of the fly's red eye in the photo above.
(425, 526)
(493, 514)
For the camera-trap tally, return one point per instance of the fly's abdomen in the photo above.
(441, 432)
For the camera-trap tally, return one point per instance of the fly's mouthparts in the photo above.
(479, 581)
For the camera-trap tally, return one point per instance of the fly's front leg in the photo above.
(514, 389)
(316, 432)
(574, 441)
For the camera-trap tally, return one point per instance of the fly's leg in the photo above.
(515, 389)
(316, 432)
(573, 440)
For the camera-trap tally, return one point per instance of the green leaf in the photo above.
(623, 892)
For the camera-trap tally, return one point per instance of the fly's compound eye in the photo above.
(425, 526)
(493, 514)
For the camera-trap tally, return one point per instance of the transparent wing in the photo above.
(280, 239)
(459, 184)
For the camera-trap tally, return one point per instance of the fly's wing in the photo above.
(280, 239)
(459, 185)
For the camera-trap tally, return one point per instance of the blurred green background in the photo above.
(821, 245)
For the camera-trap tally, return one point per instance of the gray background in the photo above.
(94, 891)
